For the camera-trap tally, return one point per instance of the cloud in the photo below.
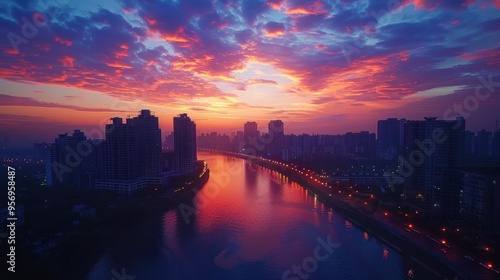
(8, 100)
(274, 29)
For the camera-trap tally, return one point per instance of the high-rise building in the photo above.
(484, 143)
(276, 139)
(131, 154)
(150, 142)
(184, 144)
(430, 146)
(390, 135)
(251, 143)
(250, 131)
(121, 156)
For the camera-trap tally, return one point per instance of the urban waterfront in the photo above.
(252, 224)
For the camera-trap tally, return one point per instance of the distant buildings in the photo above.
(360, 145)
(184, 144)
(430, 146)
(214, 141)
(70, 161)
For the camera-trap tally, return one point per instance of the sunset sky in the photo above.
(322, 66)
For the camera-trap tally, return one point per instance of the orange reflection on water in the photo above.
(385, 254)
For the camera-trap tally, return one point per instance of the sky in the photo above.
(321, 66)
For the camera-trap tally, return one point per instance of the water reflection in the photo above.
(257, 226)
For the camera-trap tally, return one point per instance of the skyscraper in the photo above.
(149, 135)
(121, 155)
(250, 143)
(184, 144)
(430, 146)
(276, 135)
(250, 130)
(390, 134)
(131, 154)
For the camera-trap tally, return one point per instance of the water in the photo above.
(251, 223)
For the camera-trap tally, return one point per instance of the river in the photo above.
(248, 222)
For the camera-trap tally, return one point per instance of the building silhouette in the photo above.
(130, 156)
(431, 146)
(275, 139)
(70, 160)
(390, 136)
(484, 142)
(250, 131)
(184, 144)
(360, 145)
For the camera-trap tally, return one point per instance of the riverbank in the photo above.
(404, 244)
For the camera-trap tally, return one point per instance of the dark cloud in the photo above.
(273, 27)
(252, 9)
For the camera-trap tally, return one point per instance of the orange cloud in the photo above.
(63, 41)
(318, 8)
(11, 51)
(273, 34)
(67, 61)
(118, 65)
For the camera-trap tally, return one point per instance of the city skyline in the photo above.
(321, 67)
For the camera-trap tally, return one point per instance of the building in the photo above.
(477, 198)
(480, 204)
(130, 156)
(496, 144)
(237, 142)
(223, 142)
(390, 136)
(149, 137)
(484, 143)
(275, 139)
(250, 130)
(184, 144)
(470, 143)
(430, 146)
(70, 161)
(360, 145)
(332, 145)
